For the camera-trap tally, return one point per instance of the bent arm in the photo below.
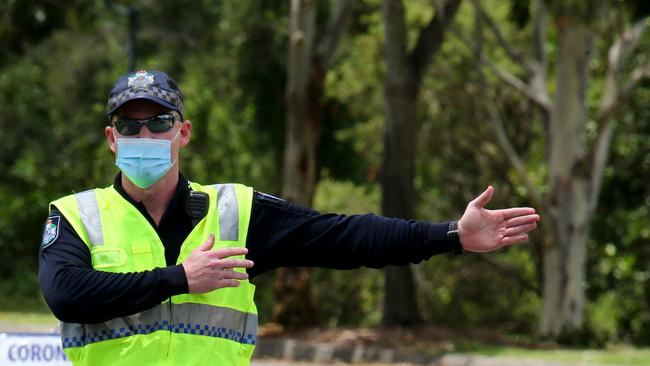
(77, 293)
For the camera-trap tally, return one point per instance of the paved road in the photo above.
(452, 360)
(270, 362)
(13, 327)
(283, 363)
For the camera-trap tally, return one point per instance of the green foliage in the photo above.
(347, 297)
(604, 316)
(23, 24)
(50, 104)
(621, 238)
(448, 289)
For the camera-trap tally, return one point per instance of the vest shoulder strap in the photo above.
(82, 212)
(233, 204)
(90, 216)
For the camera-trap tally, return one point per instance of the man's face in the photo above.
(140, 109)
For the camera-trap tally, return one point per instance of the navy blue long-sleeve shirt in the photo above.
(280, 234)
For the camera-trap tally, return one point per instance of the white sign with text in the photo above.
(27, 349)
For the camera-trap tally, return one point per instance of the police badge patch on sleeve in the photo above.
(51, 231)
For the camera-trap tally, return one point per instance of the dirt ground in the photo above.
(427, 338)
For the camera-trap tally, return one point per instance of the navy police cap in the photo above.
(155, 86)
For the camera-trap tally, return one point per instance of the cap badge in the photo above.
(141, 79)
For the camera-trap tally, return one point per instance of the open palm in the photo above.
(483, 230)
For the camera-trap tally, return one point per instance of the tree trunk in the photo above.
(299, 155)
(398, 196)
(293, 301)
(565, 256)
(305, 89)
(404, 77)
(398, 167)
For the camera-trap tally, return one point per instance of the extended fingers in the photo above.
(521, 220)
(227, 283)
(517, 229)
(230, 252)
(509, 240)
(520, 229)
(230, 278)
(229, 274)
(516, 211)
(235, 263)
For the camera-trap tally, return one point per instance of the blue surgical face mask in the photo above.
(144, 160)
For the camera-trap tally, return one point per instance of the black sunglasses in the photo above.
(130, 127)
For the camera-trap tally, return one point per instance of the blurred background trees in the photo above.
(486, 109)
(406, 67)
(575, 161)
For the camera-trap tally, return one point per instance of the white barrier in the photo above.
(31, 349)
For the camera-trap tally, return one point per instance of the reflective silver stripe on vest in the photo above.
(89, 214)
(228, 211)
(187, 318)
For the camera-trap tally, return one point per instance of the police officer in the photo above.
(154, 269)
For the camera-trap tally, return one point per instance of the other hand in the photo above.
(208, 270)
(483, 230)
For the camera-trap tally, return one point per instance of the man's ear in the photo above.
(186, 132)
(110, 136)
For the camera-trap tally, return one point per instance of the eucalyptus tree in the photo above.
(575, 161)
(308, 62)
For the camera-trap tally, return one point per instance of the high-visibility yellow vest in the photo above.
(214, 328)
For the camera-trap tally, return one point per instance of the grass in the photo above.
(612, 355)
(16, 317)
(622, 356)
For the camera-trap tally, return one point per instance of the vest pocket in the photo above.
(140, 248)
(142, 256)
(106, 257)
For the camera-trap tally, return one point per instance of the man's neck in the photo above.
(155, 198)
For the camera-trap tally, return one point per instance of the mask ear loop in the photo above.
(170, 143)
(119, 139)
(177, 133)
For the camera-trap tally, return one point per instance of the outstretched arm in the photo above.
(483, 230)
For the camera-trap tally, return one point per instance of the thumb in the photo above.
(207, 245)
(484, 197)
